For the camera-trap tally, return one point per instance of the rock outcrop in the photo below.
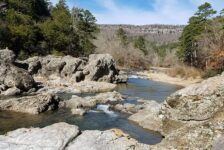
(13, 80)
(103, 140)
(31, 104)
(54, 137)
(64, 136)
(191, 118)
(149, 117)
(98, 67)
(197, 102)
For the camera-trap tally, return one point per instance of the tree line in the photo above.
(202, 41)
(36, 27)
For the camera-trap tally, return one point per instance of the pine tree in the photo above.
(188, 51)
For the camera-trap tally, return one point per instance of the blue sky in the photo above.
(141, 12)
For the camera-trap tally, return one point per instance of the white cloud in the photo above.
(165, 12)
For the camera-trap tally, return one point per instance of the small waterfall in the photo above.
(106, 109)
(133, 76)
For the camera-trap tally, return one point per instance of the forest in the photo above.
(36, 27)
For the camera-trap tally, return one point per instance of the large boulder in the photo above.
(105, 140)
(98, 67)
(101, 67)
(62, 136)
(197, 102)
(7, 56)
(54, 137)
(55, 65)
(12, 76)
(149, 117)
(31, 104)
(13, 80)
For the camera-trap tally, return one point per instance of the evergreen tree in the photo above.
(84, 24)
(18, 29)
(140, 44)
(122, 35)
(57, 29)
(189, 38)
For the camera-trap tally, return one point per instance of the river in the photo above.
(101, 118)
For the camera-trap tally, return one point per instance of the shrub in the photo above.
(184, 72)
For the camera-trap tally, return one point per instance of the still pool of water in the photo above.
(99, 119)
(147, 89)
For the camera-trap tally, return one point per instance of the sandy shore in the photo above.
(162, 77)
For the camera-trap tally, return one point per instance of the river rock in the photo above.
(128, 108)
(94, 87)
(99, 67)
(14, 80)
(149, 117)
(11, 92)
(197, 102)
(54, 137)
(7, 56)
(16, 77)
(31, 104)
(60, 85)
(88, 102)
(79, 102)
(105, 140)
(198, 135)
(78, 111)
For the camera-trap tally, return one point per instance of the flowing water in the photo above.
(101, 118)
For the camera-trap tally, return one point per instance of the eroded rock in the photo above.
(54, 137)
(103, 140)
(77, 104)
(31, 104)
(99, 67)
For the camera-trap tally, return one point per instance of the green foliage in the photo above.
(35, 27)
(205, 11)
(123, 37)
(84, 24)
(191, 33)
(139, 43)
(162, 50)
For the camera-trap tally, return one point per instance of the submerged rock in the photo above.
(31, 104)
(78, 111)
(78, 104)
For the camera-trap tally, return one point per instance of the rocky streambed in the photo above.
(70, 103)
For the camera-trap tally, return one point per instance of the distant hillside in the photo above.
(153, 33)
(160, 44)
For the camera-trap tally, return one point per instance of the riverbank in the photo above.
(158, 74)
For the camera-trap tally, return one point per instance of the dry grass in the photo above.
(184, 72)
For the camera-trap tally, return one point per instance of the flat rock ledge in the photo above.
(56, 85)
(62, 136)
(31, 104)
